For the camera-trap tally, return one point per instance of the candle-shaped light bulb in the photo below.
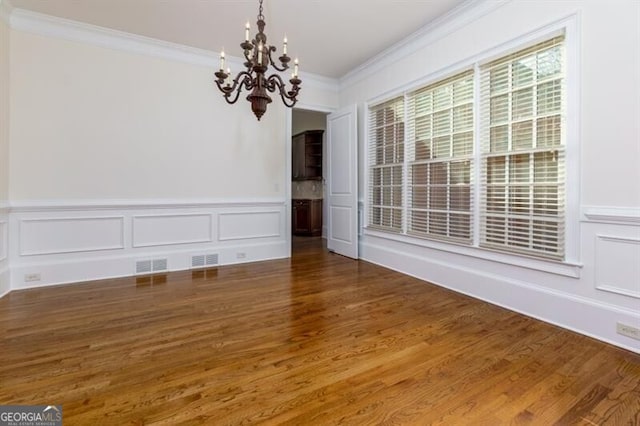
(260, 53)
(222, 60)
(247, 27)
(295, 68)
(284, 46)
(228, 76)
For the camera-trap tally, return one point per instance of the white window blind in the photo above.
(522, 113)
(386, 162)
(440, 159)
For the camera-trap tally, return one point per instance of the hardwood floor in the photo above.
(315, 339)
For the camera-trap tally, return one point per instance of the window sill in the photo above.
(564, 268)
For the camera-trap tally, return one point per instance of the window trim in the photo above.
(570, 265)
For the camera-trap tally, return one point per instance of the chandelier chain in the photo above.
(260, 15)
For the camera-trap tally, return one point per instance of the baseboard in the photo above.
(585, 316)
(90, 269)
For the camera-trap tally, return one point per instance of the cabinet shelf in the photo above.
(306, 153)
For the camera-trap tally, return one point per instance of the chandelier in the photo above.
(258, 55)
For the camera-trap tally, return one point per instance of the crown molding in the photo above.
(461, 16)
(321, 82)
(5, 11)
(51, 26)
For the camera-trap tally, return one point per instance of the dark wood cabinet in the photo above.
(306, 156)
(306, 217)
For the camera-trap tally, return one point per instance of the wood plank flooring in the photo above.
(315, 339)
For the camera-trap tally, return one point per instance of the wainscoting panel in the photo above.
(162, 230)
(249, 225)
(4, 240)
(617, 265)
(54, 235)
(61, 243)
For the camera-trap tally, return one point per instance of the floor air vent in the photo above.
(159, 265)
(211, 259)
(204, 260)
(143, 267)
(151, 266)
(197, 261)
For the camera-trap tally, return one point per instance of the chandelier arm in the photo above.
(288, 102)
(236, 88)
(249, 59)
(274, 81)
(288, 98)
(282, 59)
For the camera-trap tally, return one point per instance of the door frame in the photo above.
(289, 164)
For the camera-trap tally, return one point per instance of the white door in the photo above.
(342, 182)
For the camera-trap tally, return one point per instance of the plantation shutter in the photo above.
(440, 159)
(522, 141)
(386, 159)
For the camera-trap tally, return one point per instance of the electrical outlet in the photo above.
(627, 330)
(241, 255)
(31, 277)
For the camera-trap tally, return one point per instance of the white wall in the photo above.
(122, 149)
(604, 287)
(94, 123)
(4, 110)
(4, 146)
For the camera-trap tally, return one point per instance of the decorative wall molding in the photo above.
(245, 225)
(463, 15)
(52, 26)
(615, 215)
(617, 266)
(62, 235)
(118, 204)
(169, 229)
(4, 240)
(56, 242)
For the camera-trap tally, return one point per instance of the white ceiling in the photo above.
(331, 37)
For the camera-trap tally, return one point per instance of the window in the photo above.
(522, 146)
(386, 157)
(440, 158)
(424, 185)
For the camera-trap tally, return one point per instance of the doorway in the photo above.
(308, 178)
